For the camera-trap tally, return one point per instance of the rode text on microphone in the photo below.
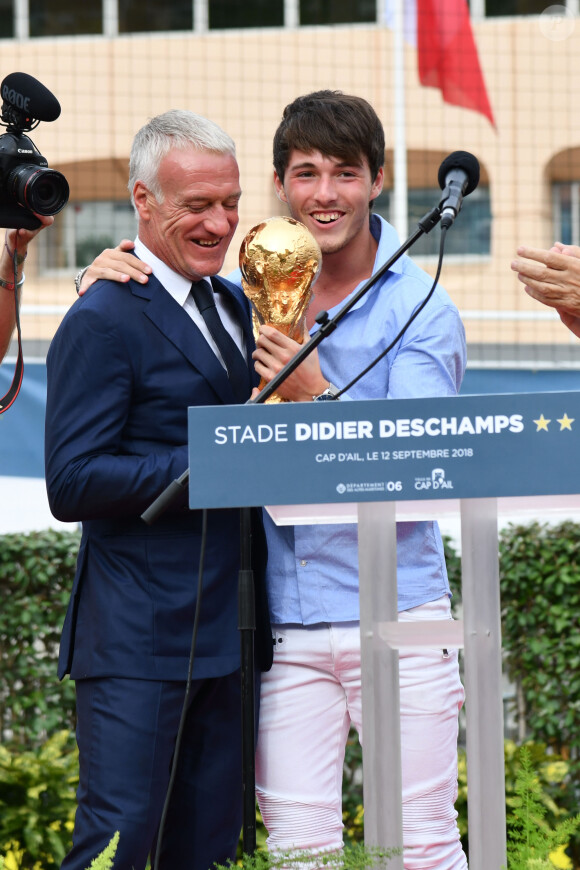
(27, 185)
(458, 176)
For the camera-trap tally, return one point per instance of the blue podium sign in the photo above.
(385, 450)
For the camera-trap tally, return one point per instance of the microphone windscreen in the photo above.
(460, 160)
(30, 96)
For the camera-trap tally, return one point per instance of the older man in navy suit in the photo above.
(122, 370)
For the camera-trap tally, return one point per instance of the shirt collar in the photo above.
(388, 243)
(175, 284)
(386, 235)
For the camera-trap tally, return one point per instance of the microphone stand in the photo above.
(247, 629)
(246, 608)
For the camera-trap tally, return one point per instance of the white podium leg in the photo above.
(481, 638)
(483, 704)
(382, 785)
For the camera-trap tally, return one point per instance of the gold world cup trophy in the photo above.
(280, 261)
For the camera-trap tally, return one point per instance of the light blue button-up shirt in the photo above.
(312, 573)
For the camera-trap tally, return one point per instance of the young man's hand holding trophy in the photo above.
(280, 260)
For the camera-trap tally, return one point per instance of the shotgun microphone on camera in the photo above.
(28, 99)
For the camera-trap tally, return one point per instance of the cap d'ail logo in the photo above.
(436, 481)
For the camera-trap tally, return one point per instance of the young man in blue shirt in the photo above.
(328, 157)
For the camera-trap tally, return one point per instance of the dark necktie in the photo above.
(236, 365)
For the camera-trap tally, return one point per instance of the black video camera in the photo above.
(27, 185)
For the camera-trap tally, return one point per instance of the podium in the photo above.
(378, 461)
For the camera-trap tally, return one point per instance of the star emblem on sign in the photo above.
(565, 422)
(542, 423)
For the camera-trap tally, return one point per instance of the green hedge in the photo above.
(36, 574)
(38, 801)
(540, 614)
(540, 595)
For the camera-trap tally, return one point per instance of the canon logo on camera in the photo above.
(15, 99)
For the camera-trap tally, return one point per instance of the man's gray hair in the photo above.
(177, 128)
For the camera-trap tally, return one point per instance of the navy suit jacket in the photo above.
(123, 367)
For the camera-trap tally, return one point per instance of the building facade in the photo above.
(114, 64)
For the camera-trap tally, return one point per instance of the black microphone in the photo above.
(458, 176)
(29, 97)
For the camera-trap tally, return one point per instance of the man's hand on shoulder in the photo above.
(115, 264)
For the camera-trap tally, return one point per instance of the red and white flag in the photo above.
(446, 51)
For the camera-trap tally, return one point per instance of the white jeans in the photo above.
(309, 700)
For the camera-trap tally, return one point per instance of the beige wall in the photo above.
(242, 80)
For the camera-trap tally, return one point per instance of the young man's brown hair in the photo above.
(335, 124)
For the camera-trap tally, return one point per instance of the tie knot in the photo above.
(202, 295)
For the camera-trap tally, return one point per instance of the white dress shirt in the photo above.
(179, 287)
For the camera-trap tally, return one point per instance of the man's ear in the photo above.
(279, 188)
(377, 184)
(141, 198)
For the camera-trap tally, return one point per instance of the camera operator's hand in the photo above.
(13, 253)
(17, 241)
(115, 264)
